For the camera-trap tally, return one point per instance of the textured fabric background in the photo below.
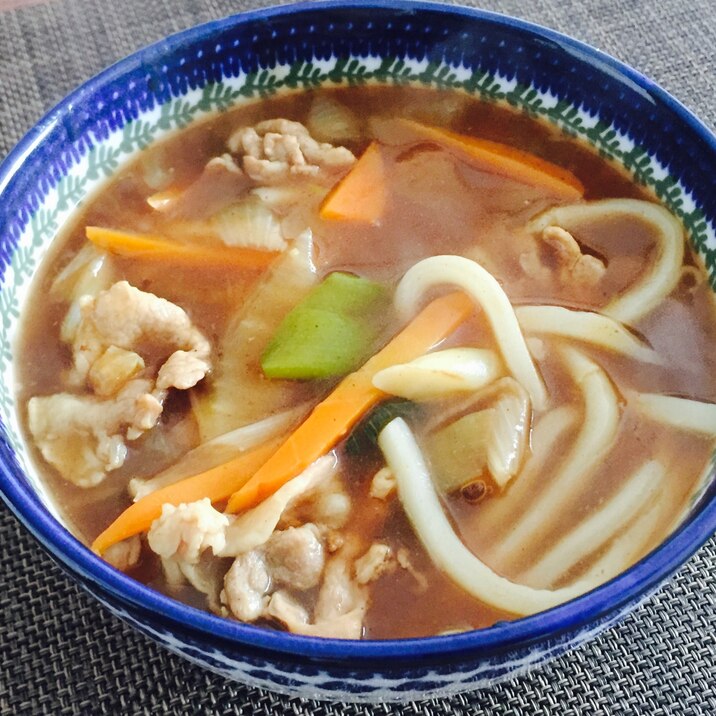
(59, 654)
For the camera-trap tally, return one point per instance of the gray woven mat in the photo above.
(60, 654)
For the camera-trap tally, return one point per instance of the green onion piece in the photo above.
(364, 436)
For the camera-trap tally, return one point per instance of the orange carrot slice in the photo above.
(361, 195)
(333, 418)
(217, 484)
(502, 159)
(157, 248)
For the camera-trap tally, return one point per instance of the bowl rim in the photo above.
(588, 609)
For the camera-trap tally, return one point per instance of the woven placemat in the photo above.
(61, 654)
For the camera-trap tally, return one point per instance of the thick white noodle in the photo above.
(585, 326)
(680, 413)
(601, 420)
(497, 514)
(219, 450)
(487, 293)
(422, 506)
(439, 374)
(597, 529)
(663, 275)
(627, 547)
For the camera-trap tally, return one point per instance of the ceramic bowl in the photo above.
(177, 81)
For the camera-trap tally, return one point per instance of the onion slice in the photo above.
(500, 512)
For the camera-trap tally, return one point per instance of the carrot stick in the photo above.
(502, 159)
(217, 484)
(157, 248)
(361, 194)
(333, 418)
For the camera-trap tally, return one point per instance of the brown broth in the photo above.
(480, 216)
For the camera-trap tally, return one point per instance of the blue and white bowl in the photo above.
(82, 141)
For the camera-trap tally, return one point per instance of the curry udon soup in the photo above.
(375, 362)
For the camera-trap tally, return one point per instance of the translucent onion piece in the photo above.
(448, 553)
(658, 281)
(330, 121)
(487, 293)
(164, 200)
(680, 413)
(238, 395)
(510, 434)
(252, 528)
(219, 450)
(248, 223)
(88, 273)
(440, 374)
(498, 514)
(615, 514)
(587, 326)
(491, 438)
(281, 195)
(599, 429)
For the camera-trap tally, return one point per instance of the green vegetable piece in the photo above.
(312, 343)
(330, 333)
(346, 294)
(364, 436)
(458, 452)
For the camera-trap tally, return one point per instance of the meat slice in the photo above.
(83, 437)
(183, 532)
(339, 611)
(376, 562)
(296, 557)
(246, 586)
(125, 554)
(206, 576)
(289, 612)
(339, 593)
(127, 318)
(188, 539)
(277, 149)
(326, 503)
(254, 527)
(570, 264)
(284, 608)
(574, 264)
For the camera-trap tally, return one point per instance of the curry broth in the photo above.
(436, 205)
